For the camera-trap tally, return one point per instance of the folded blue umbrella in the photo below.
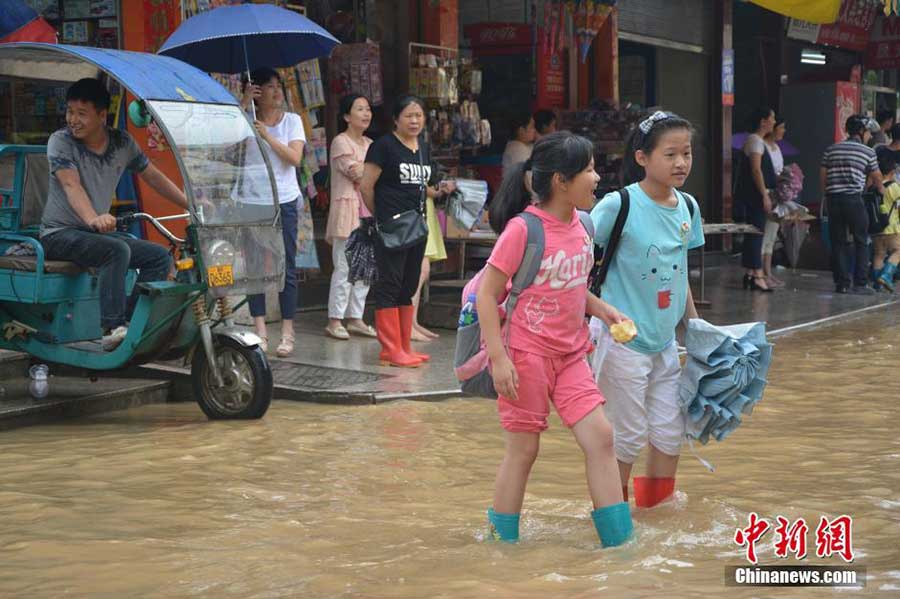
(723, 378)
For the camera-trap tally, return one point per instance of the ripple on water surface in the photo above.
(389, 501)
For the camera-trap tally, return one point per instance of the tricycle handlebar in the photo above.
(124, 221)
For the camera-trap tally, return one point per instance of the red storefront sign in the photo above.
(499, 38)
(883, 51)
(851, 30)
(551, 76)
(160, 20)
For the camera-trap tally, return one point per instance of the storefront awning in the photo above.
(814, 11)
(148, 76)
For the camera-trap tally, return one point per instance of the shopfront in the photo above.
(665, 57)
(34, 109)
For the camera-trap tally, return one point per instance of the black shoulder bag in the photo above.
(408, 228)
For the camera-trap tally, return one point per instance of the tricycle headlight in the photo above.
(221, 253)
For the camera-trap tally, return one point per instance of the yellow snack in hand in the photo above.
(623, 332)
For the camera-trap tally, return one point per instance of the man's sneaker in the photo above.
(841, 289)
(863, 290)
(114, 338)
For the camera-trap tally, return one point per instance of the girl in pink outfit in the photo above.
(542, 359)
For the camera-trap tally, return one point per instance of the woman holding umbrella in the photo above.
(284, 136)
(394, 188)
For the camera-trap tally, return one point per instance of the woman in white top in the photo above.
(755, 178)
(772, 225)
(284, 137)
(518, 148)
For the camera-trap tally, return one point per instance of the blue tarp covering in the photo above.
(147, 76)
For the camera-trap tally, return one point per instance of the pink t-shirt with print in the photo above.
(549, 318)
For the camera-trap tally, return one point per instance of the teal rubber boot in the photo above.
(886, 277)
(504, 527)
(613, 524)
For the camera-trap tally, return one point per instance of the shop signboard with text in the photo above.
(850, 31)
(883, 51)
(551, 75)
(499, 38)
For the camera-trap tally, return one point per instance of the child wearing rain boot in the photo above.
(539, 357)
(887, 243)
(648, 280)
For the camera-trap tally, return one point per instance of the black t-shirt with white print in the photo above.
(403, 172)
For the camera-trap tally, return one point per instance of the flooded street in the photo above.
(390, 500)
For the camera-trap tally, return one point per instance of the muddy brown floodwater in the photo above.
(389, 500)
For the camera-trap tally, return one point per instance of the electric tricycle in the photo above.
(232, 245)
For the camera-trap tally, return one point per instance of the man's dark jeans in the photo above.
(112, 254)
(846, 212)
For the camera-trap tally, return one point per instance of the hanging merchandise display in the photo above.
(356, 68)
(81, 22)
(433, 73)
(606, 125)
(311, 84)
(450, 87)
(589, 17)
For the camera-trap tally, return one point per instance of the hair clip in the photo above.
(647, 124)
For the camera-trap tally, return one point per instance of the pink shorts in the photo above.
(566, 381)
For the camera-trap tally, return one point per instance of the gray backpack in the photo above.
(471, 358)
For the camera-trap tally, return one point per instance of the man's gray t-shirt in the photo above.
(99, 175)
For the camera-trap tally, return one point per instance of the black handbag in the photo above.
(408, 228)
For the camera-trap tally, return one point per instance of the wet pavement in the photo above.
(70, 395)
(326, 370)
(388, 500)
(808, 298)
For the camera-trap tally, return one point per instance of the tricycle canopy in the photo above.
(227, 176)
(147, 76)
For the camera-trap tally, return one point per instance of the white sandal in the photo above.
(338, 332)
(365, 330)
(286, 347)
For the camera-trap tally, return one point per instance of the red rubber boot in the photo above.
(387, 327)
(406, 324)
(649, 492)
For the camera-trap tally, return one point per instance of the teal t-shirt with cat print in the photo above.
(648, 277)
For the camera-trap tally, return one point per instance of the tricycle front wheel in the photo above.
(246, 391)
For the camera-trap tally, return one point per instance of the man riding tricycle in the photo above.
(77, 290)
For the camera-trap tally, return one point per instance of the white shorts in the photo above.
(641, 393)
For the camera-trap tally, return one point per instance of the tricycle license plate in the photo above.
(220, 276)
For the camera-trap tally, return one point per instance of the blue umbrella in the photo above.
(234, 39)
(723, 377)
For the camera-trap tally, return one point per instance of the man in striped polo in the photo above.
(848, 167)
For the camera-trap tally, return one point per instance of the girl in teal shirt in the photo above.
(648, 281)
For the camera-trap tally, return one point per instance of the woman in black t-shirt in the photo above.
(396, 169)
